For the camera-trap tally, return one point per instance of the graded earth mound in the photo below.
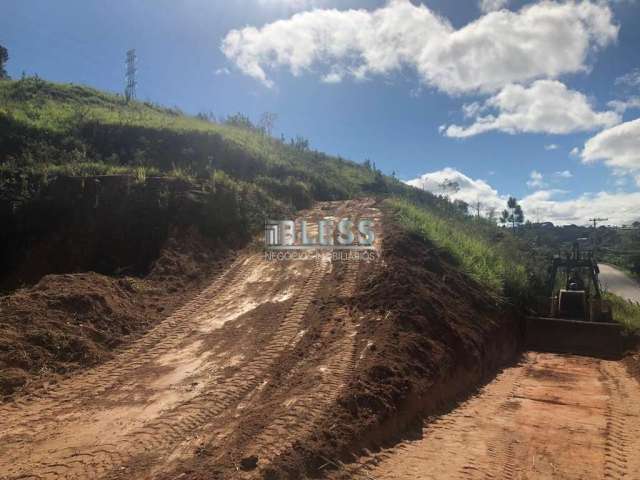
(276, 369)
(72, 321)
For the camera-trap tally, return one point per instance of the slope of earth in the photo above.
(388, 341)
(277, 369)
(70, 321)
(550, 416)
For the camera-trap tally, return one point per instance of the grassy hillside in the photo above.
(52, 128)
(243, 174)
(494, 258)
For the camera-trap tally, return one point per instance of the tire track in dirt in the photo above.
(157, 437)
(559, 417)
(443, 441)
(160, 339)
(623, 425)
(297, 418)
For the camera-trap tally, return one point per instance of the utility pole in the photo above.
(130, 90)
(595, 221)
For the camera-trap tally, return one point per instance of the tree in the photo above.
(4, 58)
(448, 186)
(267, 122)
(491, 214)
(241, 121)
(477, 206)
(461, 207)
(300, 143)
(513, 214)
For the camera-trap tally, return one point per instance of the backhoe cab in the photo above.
(575, 288)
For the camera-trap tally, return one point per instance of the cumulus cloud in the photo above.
(564, 174)
(552, 146)
(468, 189)
(547, 205)
(497, 49)
(536, 180)
(546, 106)
(619, 208)
(491, 5)
(618, 147)
(622, 106)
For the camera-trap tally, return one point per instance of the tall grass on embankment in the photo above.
(624, 311)
(482, 251)
(60, 129)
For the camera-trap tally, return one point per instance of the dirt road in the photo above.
(618, 282)
(201, 376)
(550, 416)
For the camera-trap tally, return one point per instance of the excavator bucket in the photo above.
(578, 337)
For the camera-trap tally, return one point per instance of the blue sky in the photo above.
(430, 90)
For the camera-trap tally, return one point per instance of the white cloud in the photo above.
(575, 152)
(547, 205)
(631, 79)
(619, 208)
(469, 190)
(222, 71)
(546, 106)
(487, 6)
(552, 146)
(618, 147)
(564, 174)
(536, 180)
(622, 106)
(497, 49)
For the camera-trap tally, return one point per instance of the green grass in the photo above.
(49, 129)
(60, 124)
(484, 259)
(624, 311)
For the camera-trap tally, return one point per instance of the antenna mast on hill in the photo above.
(130, 90)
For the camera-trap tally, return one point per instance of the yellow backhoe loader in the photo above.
(576, 319)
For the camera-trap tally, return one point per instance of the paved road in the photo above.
(618, 282)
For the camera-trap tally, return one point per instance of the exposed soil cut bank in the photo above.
(71, 321)
(274, 370)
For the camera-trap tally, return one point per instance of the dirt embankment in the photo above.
(116, 224)
(71, 321)
(423, 334)
(427, 335)
(277, 369)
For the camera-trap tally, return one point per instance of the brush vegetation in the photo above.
(624, 311)
(489, 255)
(53, 129)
